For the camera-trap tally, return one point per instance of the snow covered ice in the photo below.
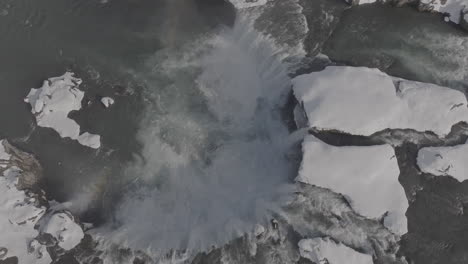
(23, 219)
(90, 140)
(52, 103)
(54, 100)
(326, 251)
(366, 176)
(4, 156)
(443, 161)
(107, 101)
(18, 216)
(360, 2)
(62, 227)
(362, 101)
(455, 10)
(240, 4)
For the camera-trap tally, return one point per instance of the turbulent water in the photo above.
(214, 160)
(418, 47)
(210, 154)
(196, 150)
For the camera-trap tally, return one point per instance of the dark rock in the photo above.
(322, 18)
(138, 261)
(464, 19)
(3, 252)
(219, 12)
(304, 261)
(31, 169)
(10, 260)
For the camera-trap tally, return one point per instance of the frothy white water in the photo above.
(214, 159)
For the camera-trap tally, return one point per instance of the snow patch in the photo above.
(240, 4)
(90, 140)
(333, 217)
(443, 161)
(453, 8)
(366, 176)
(23, 219)
(4, 156)
(107, 101)
(52, 103)
(259, 230)
(63, 227)
(362, 101)
(18, 216)
(324, 250)
(360, 2)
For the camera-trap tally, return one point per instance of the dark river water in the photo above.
(104, 43)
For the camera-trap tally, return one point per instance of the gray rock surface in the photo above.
(32, 172)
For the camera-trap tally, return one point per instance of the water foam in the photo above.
(214, 157)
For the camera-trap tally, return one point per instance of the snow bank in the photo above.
(362, 101)
(23, 219)
(454, 9)
(52, 103)
(107, 101)
(64, 229)
(90, 140)
(333, 217)
(259, 230)
(18, 216)
(360, 2)
(240, 4)
(324, 250)
(366, 176)
(4, 156)
(54, 100)
(443, 161)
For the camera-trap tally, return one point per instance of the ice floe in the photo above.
(52, 103)
(443, 161)
(366, 175)
(107, 101)
(362, 101)
(325, 250)
(90, 140)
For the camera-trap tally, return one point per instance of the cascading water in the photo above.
(214, 157)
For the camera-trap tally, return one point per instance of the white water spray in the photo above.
(214, 160)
